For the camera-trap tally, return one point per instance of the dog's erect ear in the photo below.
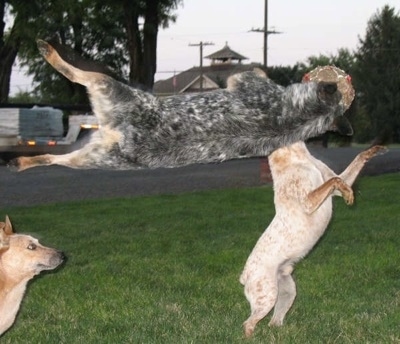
(8, 227)
(4, 236)
(259, 72)
(232, 81)
(342, 125)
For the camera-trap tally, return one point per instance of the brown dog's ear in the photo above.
(8, 227)
(4, 237)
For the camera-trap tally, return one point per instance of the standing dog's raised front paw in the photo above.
(376, 150)
(347, 192)
(348, 196)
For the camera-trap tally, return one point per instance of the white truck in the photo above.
(40, 130)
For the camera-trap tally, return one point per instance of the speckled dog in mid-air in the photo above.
(252, 117)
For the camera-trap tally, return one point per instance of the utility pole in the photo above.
(201, 45)
(266, 33)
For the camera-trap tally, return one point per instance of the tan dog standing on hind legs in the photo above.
(303, 189)
(21, 258)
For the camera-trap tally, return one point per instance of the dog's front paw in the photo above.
(345, 190)
(347, 193)
(348, 196)
(377, 150)
(19, 164)
(14, 165)
(373, 151)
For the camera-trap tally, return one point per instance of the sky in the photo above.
(308, 28)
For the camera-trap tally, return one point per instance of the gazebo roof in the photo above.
(226, 53)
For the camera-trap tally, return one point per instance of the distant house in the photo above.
(224, 63)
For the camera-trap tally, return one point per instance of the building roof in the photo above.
(214, 77)
(226, 54)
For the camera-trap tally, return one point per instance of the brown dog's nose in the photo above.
(61, 255)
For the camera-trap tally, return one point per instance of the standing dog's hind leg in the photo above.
(286, 296)
(261, 294)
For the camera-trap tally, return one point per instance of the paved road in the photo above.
(51, 184)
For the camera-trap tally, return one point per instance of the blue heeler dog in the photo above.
(252, 117)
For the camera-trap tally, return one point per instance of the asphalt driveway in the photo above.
(44, 185)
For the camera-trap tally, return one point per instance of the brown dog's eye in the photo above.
(31, 246)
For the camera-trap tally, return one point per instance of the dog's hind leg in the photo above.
(52, 53)
(109, 97)
(97, 84)
(261, 294)
(286, 296)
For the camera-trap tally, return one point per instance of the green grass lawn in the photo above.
(165, 269)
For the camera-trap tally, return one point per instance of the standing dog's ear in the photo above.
(5, 232)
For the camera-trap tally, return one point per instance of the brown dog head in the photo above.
(22, 256)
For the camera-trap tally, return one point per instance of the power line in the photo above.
(266, 33)
(201, 45)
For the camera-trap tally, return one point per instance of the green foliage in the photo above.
(285, 75)
(165, 269)
(378, 74)
(22, 97)
(106, 31)
(363, 132)
(76, 24)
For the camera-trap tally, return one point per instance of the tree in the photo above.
(10, 39)
(95, 30)
(22, 97)
(284, 75)
(378, 75)
(8, 53)
(142, 44)
(77, 24)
